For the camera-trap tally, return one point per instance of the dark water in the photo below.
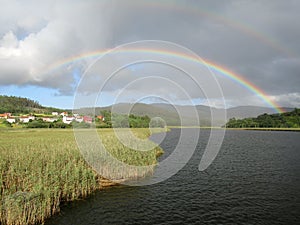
(255, 179)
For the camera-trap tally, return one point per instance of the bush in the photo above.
(37, 124)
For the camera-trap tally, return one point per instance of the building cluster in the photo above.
(66, 118)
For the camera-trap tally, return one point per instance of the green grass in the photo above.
(41, 168)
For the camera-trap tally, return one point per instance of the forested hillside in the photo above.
(281, 120)
(17, 105)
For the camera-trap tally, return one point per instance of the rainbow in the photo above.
(191, 10)
(197, 12)
(239, 79)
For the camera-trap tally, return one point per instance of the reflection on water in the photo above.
(255, 179)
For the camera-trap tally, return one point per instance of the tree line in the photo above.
(20, 105)
(122, 120)
(280, 120)
(14, 104)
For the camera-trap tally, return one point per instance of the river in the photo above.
(255, 179)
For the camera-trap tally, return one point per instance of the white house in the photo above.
(64, 114)
(54, 113)
(79, 119)
(68, 119)
(31, 117)
(49, 119)
(24, 119)
(11, 120)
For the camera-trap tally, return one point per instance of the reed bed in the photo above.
(40, 169)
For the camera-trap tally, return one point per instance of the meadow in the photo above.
(42, 168)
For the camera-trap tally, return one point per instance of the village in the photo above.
(66, 118)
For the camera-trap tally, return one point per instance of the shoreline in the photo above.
(266, 129)
(157, 130)
(244, 128)
(65, 175)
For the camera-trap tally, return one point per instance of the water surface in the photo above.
(255, 179)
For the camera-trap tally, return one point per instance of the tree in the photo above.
(282, 120)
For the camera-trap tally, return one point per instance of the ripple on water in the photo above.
(254, 180)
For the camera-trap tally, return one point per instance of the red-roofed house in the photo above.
(5, 115)
(64, 114)
(100, 118)
(87, 119)
(24, 119)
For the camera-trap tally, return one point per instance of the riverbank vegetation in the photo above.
(280, 120)
(41, 168)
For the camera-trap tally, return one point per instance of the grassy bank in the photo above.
(40, 169)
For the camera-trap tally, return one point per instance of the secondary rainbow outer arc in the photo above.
(213, 66)
(242, 27)
(197, 11)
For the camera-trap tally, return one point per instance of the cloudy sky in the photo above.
(258, 40)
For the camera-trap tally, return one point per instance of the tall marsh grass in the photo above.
(40, 169)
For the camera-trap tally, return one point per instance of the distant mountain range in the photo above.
(188, 114)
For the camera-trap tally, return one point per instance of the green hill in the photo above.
(173, 115)
(19, 105)
(279, 120)
(166, 112)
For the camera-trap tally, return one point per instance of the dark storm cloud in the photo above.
(251, 38)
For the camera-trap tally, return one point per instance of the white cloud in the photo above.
(288, 100)
(9, 40)
(39, 36)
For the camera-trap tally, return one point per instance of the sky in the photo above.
(257, 40)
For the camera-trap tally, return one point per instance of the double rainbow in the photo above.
(213, 66)
(189, 9)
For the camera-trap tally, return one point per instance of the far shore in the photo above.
(243, 128)
(159, 130)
